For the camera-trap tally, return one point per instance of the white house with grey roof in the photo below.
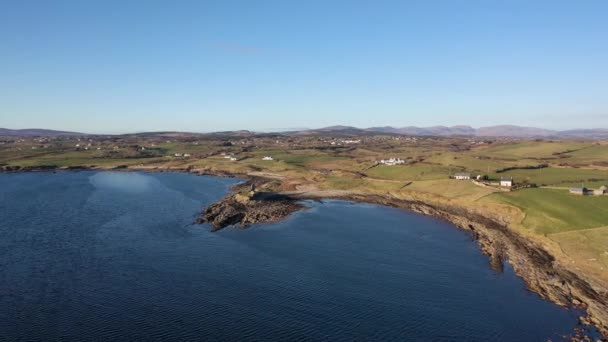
(506, 181)
(462, 176)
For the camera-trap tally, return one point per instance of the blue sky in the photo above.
(124, 66)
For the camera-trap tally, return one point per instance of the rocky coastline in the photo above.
(530, 261)
(122, 168)
(542, 273)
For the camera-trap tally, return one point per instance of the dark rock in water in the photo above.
(242, 210)
(225, 213)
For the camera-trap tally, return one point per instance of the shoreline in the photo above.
(540, 270)
(122, 168)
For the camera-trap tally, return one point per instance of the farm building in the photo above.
(462, 176)
(506, 181)
(579, 191)
(268, 158)
(392, 161)
(602, 190)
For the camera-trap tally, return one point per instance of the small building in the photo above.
(392, 161)
(462, 176)
(579, 191)
(187, 155)
(232, 159)
(506, 181)
(602, 190)
(267, 158)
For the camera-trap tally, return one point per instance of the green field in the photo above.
(419, 171)
(591, 154)
(531, 149)
(550, 211)
(471, 163)
(555, 176)
(590, 244)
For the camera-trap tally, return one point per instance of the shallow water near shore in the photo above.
(114, 256)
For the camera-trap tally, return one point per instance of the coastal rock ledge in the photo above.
(245, 207)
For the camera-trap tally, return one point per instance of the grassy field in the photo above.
(555, 176)
(450, 189)
(588, 184)
(77, 158)
(591, 245)
(471, 163)
(531, 149)
(589, 155)
(418, 171)
(550, 211)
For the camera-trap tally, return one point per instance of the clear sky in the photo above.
(127, 65)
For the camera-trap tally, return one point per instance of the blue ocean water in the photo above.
(109, 256)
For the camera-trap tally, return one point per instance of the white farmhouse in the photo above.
(462, 176)
(392, 161)
(267, 158)
(506, 181)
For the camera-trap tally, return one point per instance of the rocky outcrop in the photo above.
(243, 208)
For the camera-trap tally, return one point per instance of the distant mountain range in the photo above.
(33, 132)
(490, 131)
